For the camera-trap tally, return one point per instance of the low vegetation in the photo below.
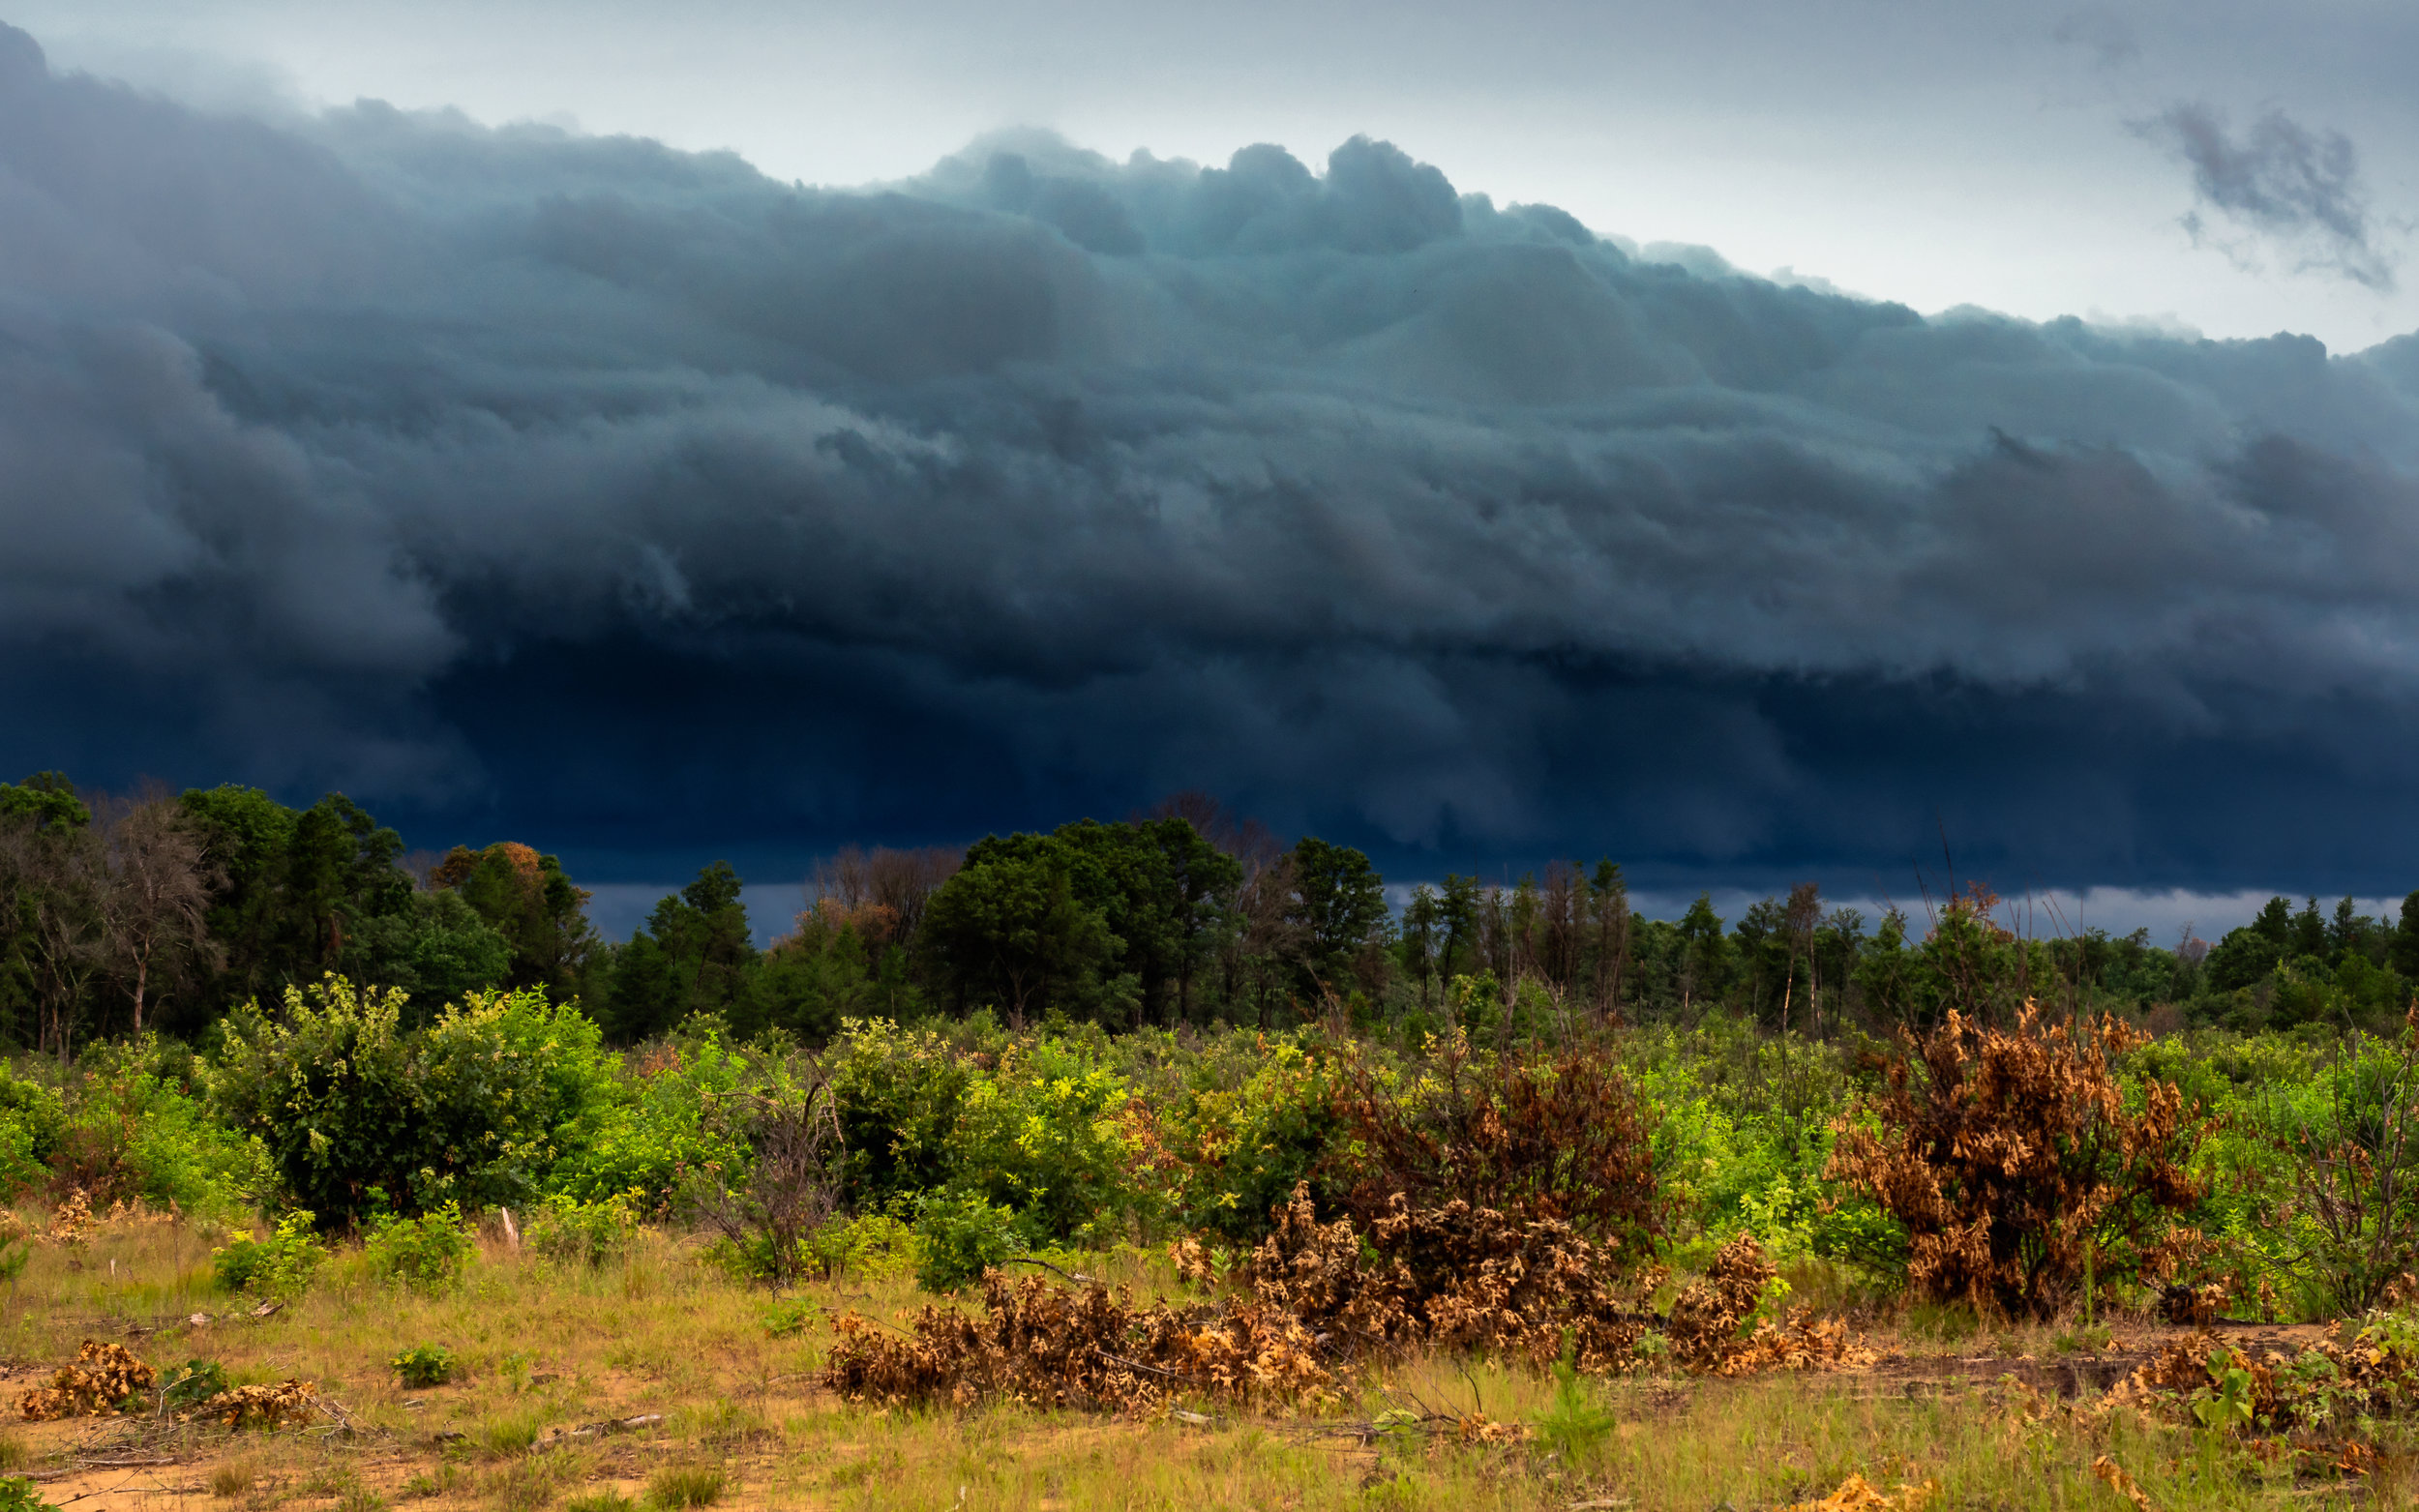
(1153, 1164)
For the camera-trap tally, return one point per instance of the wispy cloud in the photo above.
(2295, 188)
(2104, 35)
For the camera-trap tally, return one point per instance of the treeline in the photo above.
(162, 911)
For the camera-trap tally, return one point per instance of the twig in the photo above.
(1028, 1260)
(1477, 1400)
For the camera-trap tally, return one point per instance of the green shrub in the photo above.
(17, 1494)
(790, 1318)
(191, 1384)
(1042, 1126)
(278, 1267)
(1577, 1421)
(470, 1110)
(423, 1365)
(1254, 1118)
(663, 1113)
(573, 1233)
(427, 1254)
(137, 1126)
(874, 1247)
(1047, 1134)
(961, 1235)
(898, 1093)
(33, 1121)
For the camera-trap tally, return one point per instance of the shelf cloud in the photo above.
(627, 501)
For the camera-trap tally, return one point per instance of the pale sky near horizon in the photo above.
(1940, 155)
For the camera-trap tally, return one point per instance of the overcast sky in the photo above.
(1752, 441)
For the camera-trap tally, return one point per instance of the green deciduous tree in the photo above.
(1024, 927)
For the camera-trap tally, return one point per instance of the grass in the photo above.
(677, 1487)
(543, 1349)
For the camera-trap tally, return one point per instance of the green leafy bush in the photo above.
(470, 1110)
(871, 1247)
(18, 1494)
(1254, 1118)
(278, 1267)
(33, 1121)
(1043, 1126)
(423, 1365)
(191, 1384)
(1047, 1134)
(427, 1254)
(660, 1116)
(573, 1233)
(959, 1235)
(790, 1318)
(898, 1093)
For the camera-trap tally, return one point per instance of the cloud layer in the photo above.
(631, 503)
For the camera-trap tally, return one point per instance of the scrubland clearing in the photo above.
(656, 1380)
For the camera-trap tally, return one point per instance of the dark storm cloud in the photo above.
(627, 501)
(2283, 182)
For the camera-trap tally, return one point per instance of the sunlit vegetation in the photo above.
(1156, 1162)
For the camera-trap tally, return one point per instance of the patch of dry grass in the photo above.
(545, 1351)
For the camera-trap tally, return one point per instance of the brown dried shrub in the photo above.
(1463, 1277)
(2010, 1154)
(72, 1221)
(272, 1405)
(2315, 1401)
(102, 1378)
(1047, 1344)
(1709, 1332)
(1557, 1139)
(1711, 1312)
(1315, 1300)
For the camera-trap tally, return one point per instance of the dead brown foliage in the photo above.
(273, 1405)
(1314, 1301)
(72, 1220)
(2313, 1402)
(1093, 1347)
(103, 1376)
(1710, 1313)
(1709, 1330)
(1855, 1493)
(1556, 1139)
(2010, 1154)
(1455, 1275)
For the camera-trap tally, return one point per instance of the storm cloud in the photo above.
(631, 503)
